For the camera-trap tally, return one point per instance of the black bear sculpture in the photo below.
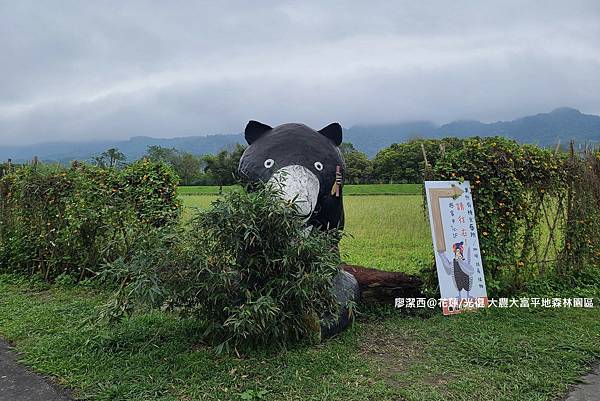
(308, 166)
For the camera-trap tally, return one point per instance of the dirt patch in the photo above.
(391, 353)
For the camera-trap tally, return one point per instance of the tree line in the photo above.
(397, 163)
(210, 169)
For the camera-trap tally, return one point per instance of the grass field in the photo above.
(387, 232)
(205, 189)
(494, 355)
(371, 189)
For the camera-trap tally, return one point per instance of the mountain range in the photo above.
(544, 129)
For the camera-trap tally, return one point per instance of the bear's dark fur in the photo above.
(273, 149)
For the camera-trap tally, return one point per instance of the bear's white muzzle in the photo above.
(300, 184)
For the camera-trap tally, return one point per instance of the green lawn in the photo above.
(387, 232)
(383, 189)
(500, 354)
(496, 354)
(370, 189)
(204, 189)
(195, 202)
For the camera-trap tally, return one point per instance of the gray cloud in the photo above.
(108, 69)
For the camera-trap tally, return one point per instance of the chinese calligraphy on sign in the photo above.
(456, 245)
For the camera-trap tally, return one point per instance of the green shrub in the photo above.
(246, 267)
(581, 227)
(521, 194)
(56, 221)
(152, 190)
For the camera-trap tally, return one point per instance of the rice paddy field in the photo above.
(389, 232)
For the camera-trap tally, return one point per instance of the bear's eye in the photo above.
(319, 166)
(269, 163)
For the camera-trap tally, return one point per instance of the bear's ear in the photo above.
(334, 132)
(255, 130)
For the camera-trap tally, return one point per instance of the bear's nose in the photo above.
(299, 184)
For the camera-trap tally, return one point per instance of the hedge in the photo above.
(57, 221)
(526, 200)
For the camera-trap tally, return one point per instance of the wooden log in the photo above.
(379, 286)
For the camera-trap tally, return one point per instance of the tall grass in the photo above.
(386, 232)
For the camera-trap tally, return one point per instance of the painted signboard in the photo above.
(456, 246)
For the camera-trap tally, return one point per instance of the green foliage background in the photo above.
(218, 169)
(515, 190)
(57, 221)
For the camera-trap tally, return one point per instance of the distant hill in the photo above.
(544, 129)
(372, 138)
(133, 148)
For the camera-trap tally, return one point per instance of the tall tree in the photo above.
(222, 167)
(187, 166)
(358, 166)
(157, 153)
(114, 157)
(404, 162)
(99, 161)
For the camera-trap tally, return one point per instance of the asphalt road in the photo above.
(19, 384)
(588, 390)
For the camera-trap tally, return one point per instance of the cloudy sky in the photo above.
(89, 70)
